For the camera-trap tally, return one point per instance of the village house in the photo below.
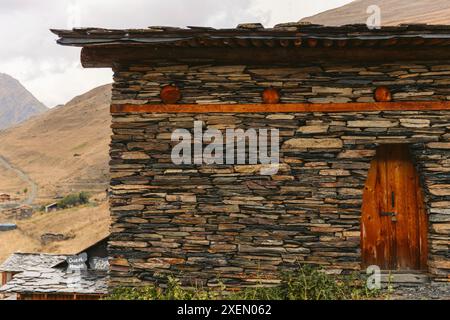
(22, 212)
(37, 276)
(5, 197)
(363, 121)
(52, 207)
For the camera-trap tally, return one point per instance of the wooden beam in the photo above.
(103, 57)
(281, 108)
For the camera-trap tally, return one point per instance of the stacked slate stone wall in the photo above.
(205, 223)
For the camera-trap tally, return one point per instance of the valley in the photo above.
(59, 152)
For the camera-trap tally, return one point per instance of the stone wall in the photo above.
(228, 222)
(316, 84)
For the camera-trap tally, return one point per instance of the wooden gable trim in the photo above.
(281, 108)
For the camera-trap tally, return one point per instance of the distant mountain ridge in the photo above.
(393, 12)
(17, 104)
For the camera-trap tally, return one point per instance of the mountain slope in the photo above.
(393, 12)
(16, 103)
(65, 149)
(84, 226)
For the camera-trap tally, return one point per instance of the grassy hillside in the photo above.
(63, 150)
(84, 226)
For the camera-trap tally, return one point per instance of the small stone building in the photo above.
(363, 118)
(38, 276)
(5, 197)
(22, 212)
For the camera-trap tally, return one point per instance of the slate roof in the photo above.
(56, 280)
(19, 262)
(47, 273)
(296, 34)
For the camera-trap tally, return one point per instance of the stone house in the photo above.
(363, 120)
(39, 276)
(22, 212)
(5, 197)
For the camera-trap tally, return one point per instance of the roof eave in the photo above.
(101, 47)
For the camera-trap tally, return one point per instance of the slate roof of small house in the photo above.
(57, 281)
(296, 34)
(19, 262)
(47, 273)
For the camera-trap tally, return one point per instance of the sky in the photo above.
(54, 74)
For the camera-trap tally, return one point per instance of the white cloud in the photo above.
(53, 73)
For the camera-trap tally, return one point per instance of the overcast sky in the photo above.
(54, 74)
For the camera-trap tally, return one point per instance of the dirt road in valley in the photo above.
(32, 186)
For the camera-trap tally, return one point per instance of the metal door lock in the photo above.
(393, 215)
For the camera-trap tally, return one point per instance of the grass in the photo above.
(305, 283)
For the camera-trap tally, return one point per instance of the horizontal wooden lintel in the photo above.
(281, 108)
(108, 56)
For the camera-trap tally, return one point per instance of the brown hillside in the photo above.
(393, 12)
(85, 226)
(65, 149)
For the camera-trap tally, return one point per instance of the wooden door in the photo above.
(394, 220)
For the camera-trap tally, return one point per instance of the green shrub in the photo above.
(311, 283)
(305, 283)
(84, 197)
(73, 200)
(173, 291)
